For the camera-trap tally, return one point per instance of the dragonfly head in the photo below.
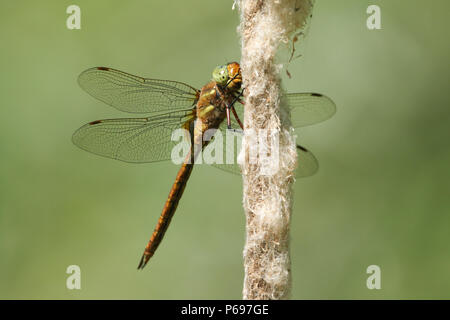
(228, 75)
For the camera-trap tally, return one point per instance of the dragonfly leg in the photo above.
(237, 118)
(237, 98)
(229, 116)
(231, 106)
(227, 106)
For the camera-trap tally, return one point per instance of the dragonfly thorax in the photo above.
(211, 106)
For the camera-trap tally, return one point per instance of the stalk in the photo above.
(269, 149)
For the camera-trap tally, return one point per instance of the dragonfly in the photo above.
(171, 105)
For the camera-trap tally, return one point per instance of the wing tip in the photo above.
(312, 170)
(87, 71)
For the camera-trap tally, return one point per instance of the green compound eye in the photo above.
(220, 75)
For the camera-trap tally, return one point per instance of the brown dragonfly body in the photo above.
(210, 112)
(173, 105)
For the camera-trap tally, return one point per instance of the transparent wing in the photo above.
(132, 140)
(309, 108)
(306, 109)
(307, 163)
(232, 141)
(134, 94)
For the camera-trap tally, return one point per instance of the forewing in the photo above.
(306, 109)
(309, 108)
(134, 94)
(132, 140)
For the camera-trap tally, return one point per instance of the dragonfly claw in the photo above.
(143, 261)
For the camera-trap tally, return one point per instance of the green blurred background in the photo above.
(381, 196)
